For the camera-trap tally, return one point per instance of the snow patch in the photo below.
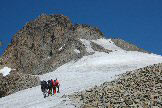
(88, 45)
(107, 44)
(5, 71)
(77, 51)
(48, 57)
(61, 47)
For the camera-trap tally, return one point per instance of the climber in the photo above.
(44, 87)
(49, 87)
(57, 84)
(53, 87)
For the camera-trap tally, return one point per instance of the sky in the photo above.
(136, 21)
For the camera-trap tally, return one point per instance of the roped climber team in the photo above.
(49, 87)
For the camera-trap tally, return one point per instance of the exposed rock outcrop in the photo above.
(141, 88)
(99, 48)
(87, 32)
(127, 46)
(39, 40)
(16, 81)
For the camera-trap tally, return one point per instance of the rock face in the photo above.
(87, 32)
(127, 46)
(47, 43)
(141, 88)
(16, 81)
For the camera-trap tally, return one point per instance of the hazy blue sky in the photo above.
(136, 21)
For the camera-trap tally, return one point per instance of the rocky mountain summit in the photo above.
(49, 42)
(43, 45)
(141, 88)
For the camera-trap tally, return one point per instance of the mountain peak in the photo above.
(48, 36)
(50, 41)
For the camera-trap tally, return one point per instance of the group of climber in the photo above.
(49, 87)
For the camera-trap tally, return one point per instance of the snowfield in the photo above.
(80, 75)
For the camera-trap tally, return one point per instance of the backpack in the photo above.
(49, 83)
(43, 85)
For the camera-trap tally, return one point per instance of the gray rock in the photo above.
(16, 81)
(127, 46)
(99, 48)
(85, 31)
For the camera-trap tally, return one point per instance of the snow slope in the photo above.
(82, 74)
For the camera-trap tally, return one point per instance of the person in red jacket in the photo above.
(57, 84)
(53, 87)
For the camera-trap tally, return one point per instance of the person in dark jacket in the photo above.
(49, 87)
(44, 87)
